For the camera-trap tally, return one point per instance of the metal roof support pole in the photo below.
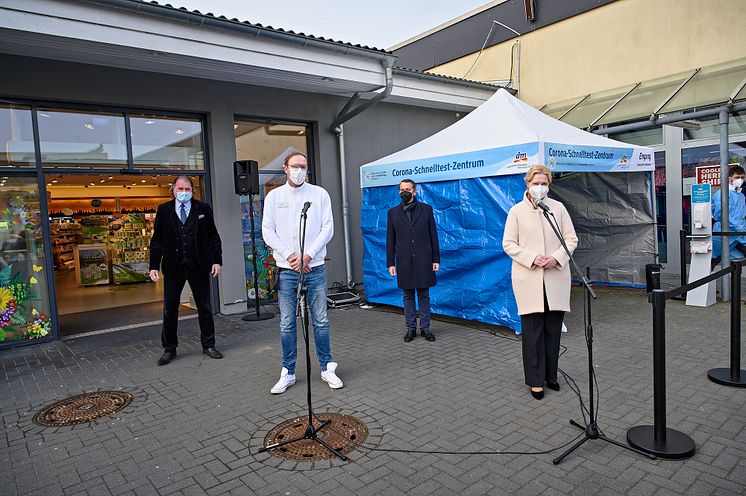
(573, 107)
(724, 190)
(737, 91)
(675, 92)
(639, 126)
(603, 114)
(337, 128)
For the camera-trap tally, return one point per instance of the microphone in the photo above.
(538, 200)
(306, 206)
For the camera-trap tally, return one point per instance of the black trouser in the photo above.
(540, 342)
(172, 286)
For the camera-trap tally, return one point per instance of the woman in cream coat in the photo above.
(541, 277)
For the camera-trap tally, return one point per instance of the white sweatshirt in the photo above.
(281, 222)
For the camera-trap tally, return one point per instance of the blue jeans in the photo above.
(410, 313)
(316, 283)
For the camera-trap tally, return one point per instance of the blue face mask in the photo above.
(183, 196)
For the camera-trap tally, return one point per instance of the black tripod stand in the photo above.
(301, 311)
(592, 430)
(258, 315)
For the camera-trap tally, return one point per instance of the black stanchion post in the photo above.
(657, 439)
(682, 263)
(659, 365)
(734, 376)
(735, 320)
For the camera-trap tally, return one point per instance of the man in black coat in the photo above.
(186, 247)
(413, 256)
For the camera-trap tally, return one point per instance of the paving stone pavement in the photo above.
(194, 425)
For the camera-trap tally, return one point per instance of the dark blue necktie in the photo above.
(183, 214)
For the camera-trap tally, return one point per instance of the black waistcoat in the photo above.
(187, 245)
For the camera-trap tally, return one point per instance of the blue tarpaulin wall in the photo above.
(474, 277)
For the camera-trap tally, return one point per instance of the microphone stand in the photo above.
(592, 430)
(301, 311)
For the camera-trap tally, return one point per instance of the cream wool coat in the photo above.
(527, 234)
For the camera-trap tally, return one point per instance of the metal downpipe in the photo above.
(337, 128)
(345, 204)
(346, 114)
(725, 203)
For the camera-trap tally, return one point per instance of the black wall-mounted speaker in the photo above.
(246, 177)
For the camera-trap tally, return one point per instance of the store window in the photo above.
(101, 226)
(268, 143)
(647, 137)
(81, 139)
(660, 205)
(24, 299)
(710, 128)
(166, 142)
(16, 136)
(696, 162)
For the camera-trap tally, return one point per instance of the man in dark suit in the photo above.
(413, 256)
(186, 247)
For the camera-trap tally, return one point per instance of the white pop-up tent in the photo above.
(504, 136)
(472, 173)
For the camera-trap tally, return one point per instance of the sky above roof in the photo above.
(380, 24)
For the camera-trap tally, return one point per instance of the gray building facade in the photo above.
(109, 56)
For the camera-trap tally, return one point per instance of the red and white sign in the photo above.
(709, 174)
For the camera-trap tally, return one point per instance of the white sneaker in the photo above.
(285, 382)
(330, 377)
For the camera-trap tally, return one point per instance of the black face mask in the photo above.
(406, 196)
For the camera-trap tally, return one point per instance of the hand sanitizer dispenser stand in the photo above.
(701, 247)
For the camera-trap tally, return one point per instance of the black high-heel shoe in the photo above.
(537, 394)
(554, 386)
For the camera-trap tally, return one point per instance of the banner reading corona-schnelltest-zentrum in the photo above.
(514, 159)
(584, 158)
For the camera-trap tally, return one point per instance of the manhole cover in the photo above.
(344, 433)
(82, 408)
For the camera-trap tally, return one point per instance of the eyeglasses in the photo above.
(298, 167)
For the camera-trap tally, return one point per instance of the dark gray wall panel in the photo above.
(467, 36)
(377, 132)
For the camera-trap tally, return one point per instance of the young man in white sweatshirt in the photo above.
(280, 230)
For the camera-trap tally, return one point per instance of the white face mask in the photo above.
(298, 176)
(737, 183)
(538, 192)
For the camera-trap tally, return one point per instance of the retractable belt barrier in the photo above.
(682, 250)
(658, 439)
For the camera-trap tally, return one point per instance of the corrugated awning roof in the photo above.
(234, 21)
(209, 15)
(692, 90)
(159, 38)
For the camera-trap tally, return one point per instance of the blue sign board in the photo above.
(514, 159)
(700, 193)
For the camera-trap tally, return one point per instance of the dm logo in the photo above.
(520, 158)
(368, 176)
(552, 162)
(623, 160)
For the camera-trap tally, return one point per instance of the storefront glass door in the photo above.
(101, 226)
(24, 299)
(268, 143)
